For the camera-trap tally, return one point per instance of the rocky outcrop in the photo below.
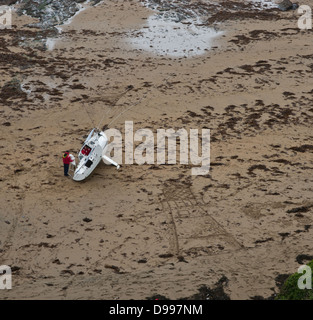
(7, 2)
(51, 12)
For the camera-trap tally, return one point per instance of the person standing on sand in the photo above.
(66, 161)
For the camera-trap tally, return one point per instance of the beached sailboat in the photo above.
(91, 153)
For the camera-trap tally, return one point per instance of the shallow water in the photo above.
(177, 39)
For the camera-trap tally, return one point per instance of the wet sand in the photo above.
(156, 230)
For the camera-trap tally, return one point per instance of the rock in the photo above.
(50, 13)
(15, 268)
(286, 5)
(7, 2)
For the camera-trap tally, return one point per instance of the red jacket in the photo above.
(66, 158)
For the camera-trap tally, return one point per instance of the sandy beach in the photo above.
(156, 230)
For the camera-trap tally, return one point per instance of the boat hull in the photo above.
(89, 163)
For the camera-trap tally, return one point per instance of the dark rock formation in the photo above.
(50, 12)
(7, 2)
(286, 5)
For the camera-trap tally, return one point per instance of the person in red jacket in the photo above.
(66, 161)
